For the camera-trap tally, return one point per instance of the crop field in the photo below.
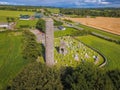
(74, 53)
(5, 13)
(11, 60)
(110, 50)
(104, 23)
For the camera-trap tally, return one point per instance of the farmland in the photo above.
(101, 32)
(17, 50)
(53, 10)
(26, 23)
(109, 49)
(104, 23)
(11, 61)
(5, 13)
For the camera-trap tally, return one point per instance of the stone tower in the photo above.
(49, 42)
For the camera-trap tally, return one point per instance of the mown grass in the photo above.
(11, 61)
(98, 31)
(26, 24)
(6, 13)
(110, 50)
(69, 32)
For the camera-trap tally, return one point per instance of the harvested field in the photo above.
(104, 23)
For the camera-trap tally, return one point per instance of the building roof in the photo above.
(38, 15)
(24, 16)
(61, 27)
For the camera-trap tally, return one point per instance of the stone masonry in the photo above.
(49, 42)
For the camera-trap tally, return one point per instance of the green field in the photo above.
(11, 60)
(53, 10)
(108, 49)
(107, 34)
(19, 23)
(26, 24)
(5, 13)
(68, 31)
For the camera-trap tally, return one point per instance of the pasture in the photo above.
(5, 13)
(11, 61)
(110, 50)
(26, 24)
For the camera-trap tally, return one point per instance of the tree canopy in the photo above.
(36, 76)
(40, 25)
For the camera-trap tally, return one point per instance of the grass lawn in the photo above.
(109, 49)
(26, 23)
(11, 60)
(73, 48)
(68, 32)
(5, 13)
(107, 34)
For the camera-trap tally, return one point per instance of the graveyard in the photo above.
(70, 52)
(73, 48)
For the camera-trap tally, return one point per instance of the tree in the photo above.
(8, 20)
(40, 25)
(36, 76)
(58, 23)
(86, 77)
(115, 78)
(31, 49)
(12, 19)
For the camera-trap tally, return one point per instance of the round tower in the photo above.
(49, 42)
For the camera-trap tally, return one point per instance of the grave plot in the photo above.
(70, 52)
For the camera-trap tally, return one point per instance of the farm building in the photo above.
(24, 17)
(4, 25)
(7, 25)
(61, 28)
(38, 15)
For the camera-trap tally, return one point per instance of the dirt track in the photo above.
(105, 23)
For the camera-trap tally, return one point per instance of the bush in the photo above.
(106, 38)
(58, 23)
(86, 77)
(36, 76)
(70, 32)
(40, 25)
(31, 49)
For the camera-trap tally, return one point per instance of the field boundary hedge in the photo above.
(105, 38)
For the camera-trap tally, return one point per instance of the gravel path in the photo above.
(40, 36)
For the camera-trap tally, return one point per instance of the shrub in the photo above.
(31, 49)
(40, 25)
(36, 76)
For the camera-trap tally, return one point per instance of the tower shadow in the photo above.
(57, 48)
